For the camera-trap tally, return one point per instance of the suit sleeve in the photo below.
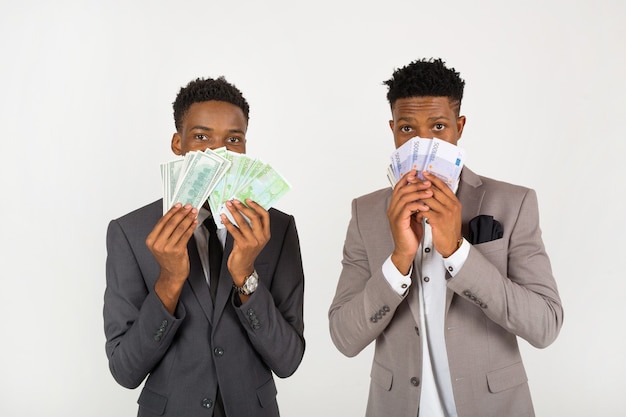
(364, 302)
(514, 284)
(138, 328)
(273, 316)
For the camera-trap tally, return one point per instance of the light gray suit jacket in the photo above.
(184, 356)
(505, 289)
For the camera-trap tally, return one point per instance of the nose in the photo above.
(424, 133)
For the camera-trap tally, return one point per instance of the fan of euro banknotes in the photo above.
(217, 176)
(437, 156)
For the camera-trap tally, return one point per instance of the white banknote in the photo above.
(411, 155)
(443, 159)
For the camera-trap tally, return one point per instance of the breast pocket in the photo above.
(496, 252)
(491, 246)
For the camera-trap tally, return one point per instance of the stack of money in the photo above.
(216, 176)
(436, 156)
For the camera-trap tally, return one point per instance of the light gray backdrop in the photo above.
(85, 114)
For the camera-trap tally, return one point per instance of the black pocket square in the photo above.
(483, 228)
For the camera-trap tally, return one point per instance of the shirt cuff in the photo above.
(455, 262)
(400, 283)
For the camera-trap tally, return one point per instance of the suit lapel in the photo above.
(470, 194)
(197, 280)
(225, 285)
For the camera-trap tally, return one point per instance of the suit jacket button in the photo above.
(218, 351)
(207, 403)
(415, 381)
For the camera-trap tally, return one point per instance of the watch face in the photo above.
(251, 283)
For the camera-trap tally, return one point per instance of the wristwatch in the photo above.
(249, 285)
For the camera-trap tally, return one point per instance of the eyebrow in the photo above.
(430, 119)
(208, 129)
(438, 117)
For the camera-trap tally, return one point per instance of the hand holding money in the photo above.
(437, 163)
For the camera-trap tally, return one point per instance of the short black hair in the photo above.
(426, 77)
(207, 89)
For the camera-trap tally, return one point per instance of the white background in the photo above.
(85, 115)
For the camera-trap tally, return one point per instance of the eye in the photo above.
(233, 139)
(439, 126)
(201, 136)
(406, 129)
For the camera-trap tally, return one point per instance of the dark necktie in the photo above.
(215, 265)
(215, 256)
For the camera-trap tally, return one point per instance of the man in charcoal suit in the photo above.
(207, 346)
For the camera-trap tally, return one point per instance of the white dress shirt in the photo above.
(437, 399)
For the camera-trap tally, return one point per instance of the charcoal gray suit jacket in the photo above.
(186, 355)
(504, 290)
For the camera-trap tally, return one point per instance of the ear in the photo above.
(391, 124)
(177, 144)
(460, 124)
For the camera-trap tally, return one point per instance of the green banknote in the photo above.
(201, 172)
(215, 198)
(220, 175)
(170, 172)
(265, 188)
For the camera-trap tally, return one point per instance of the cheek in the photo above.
(450, 137)
(236, 147)
(189, 146)
(455, 136)
(400, 138)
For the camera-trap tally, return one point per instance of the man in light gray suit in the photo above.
(444, 280)
(207, 346)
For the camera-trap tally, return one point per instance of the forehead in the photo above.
(215, 114)
(426, 105)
